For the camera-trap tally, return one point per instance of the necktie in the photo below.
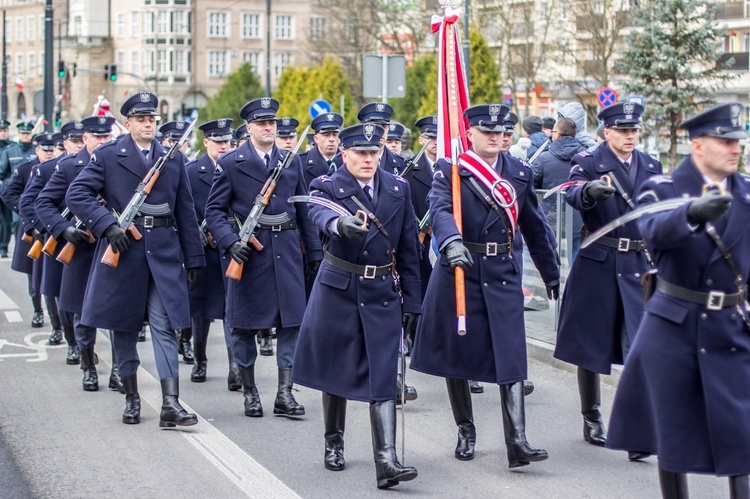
(368, 192)
(626, 164)
(145, 152)
(266, 159)
(331, 167)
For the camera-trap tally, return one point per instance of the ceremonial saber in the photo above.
(327, 203)
(562, 187)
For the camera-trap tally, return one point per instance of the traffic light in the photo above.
(112, 72)
(61, 69)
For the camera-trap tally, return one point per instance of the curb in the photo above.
(543, 352)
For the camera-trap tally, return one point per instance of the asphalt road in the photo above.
(58, 441)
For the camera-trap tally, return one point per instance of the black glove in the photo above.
(117, 238)
(598, 190)
(239, 252)
(458, 256)
(710, 206)
(75, 236)
(194, 278)
(553, 289)
(351, 227)
(312, 269)
(409, 322)
(204, 238)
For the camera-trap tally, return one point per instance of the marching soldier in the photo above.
(320, 159)
(494, 347)
(271, 292)
(594, 338)
(379, 113)
(6, 215)
(154, 271)
(286, 133)
(95, 131)
(352, 327)
(511, 120)
(683, 394)
(207, 301)
(51, 268)
(241, 134)
(393, 139)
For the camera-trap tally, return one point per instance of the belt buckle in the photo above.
(623, 244)
(276, 228)
(148, 222)
(715, 300)
(370, 271)
(491, 249)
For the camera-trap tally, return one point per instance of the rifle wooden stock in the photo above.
(36, 250)
(234, 270)
(27, 238)
(423, 235)
(50, 246)
(66, 254)
(112, 257)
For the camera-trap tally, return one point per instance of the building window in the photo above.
(135, 24)
(253, 58)
(19, 64)
(135, 62)
(19, 29)
(9, 30)
(31, 23)
(317, 28)
(284, 28)
(162, 22)
(120, 60)
(218, 24)
(251, 26)
(282, 61)
(41, 27)
(77, 26)
(162, 61)
(32, 63)
(179, 61)
(150, 61)
(178, 22)
(40, 68)
(120, 24)
(217, 63)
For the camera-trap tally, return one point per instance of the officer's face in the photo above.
(716, 158)
(328, 143)
(262, 133)
(73, 146)
(431, 151)
(622, 142)
(141, 128)
(4, 133)
(44, 155)
(93, 141)
(486, 144)
(24, 137)
(507, 141)
(361, 164)
(215, 149)
(394, 145)
(287, 143)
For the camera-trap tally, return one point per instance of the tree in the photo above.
(672, 61)
(421, 77)
(484, 77)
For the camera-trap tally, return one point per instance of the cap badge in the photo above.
(369, 131)
(507, 117)
(221, 123)
(380, 107)
(286, 121)
(494, 111)
(392, 127)
(102, 120)
(628, 107)
(180, 125)
(265, 102)
(78, 125)
(145, 97)
(329, 117)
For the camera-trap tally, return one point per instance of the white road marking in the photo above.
(6, 303)
(13, 316)
(251, 477)
(38, 348)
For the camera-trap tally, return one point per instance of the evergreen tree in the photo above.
(484, 76)
(671, 60)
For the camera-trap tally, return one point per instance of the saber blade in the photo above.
(321, 201)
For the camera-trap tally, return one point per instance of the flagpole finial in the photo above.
(450, 4)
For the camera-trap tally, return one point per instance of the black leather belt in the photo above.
(713, 300)
(489, 249)
(622, 244)
(148, 221)
(291, 224)
(368, 271)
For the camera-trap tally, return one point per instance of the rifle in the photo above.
(66, 254)
(51, 245)
(411, 163)
(424, 226)
(125, 220)
(36, 247)
(234, 270)
(204, 231)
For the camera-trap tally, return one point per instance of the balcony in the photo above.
(730, 10)
(740, 60)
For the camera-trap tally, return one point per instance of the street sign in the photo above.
(606, 97)
(636, 98)
(384, 76)
(319, 107)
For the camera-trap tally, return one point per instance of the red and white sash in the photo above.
(501, 190)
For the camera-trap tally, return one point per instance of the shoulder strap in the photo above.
(502, 191)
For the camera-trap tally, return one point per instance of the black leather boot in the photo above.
(528, 387)
(285, 405)
(593, 426)
(334, 420)
(409, 391)
(476, 386)
(56, 337)
(739, 487)
(253, 407)
(234, 382)
(90, 376)
(520, 453)
(115, 383)
(172, 413)
(389, 471)
(185, 347)
(37, 320)
(132, 412)
(74, 355)
(673, 485)
(463, 413)
(142, 334)
(266, 344)
(199, 368)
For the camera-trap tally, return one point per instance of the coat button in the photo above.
(365, 253)
(275, 236)
(733, 349)
(148, 252)
(362, 305)
(505, 283)
(733, 317)
(148, 230)
(486, 285)
(278, 257)
(709, 282)
(486, 232)
(385, 303)
(619, 275)
(361, 278)
(703, 351)
(503, 231)
(484, 258)
(637, 274)
(704, 317)
(502, 259)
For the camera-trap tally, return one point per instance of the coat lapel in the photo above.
(249, 163)
(206, 170)
(127, 157)
(423, 172)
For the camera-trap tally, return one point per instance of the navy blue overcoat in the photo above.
(420, 182)
(349, 340)
(603, 290)
(11, 196)
(684, 393)
(116, 297)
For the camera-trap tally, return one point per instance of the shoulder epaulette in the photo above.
(660, 179)
(324, 178)
(400, 179)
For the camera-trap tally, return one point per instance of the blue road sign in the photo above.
(606, 97)
(319, 107)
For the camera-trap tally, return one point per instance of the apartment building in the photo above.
(735, 18)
